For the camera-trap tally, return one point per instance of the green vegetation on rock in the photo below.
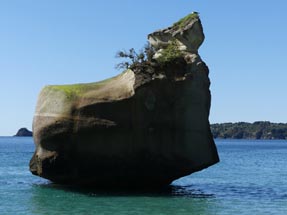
(76, 90)
(185, 20)
(70, 91)
(244, 130)
(170, 53)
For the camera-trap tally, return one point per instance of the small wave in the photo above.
(190, 191)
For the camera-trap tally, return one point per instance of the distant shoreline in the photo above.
(260, 130)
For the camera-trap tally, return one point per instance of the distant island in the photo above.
(244, 130)
(24, 132)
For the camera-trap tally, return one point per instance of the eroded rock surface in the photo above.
(142, 128)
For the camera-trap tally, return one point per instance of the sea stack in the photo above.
(143, 128)
(23, 132)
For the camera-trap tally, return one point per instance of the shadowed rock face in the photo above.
(138, 129)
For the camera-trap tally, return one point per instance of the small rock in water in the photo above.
(24, 132)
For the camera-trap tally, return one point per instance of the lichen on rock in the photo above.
(143, 128)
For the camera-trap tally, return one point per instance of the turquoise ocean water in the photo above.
(250, 179)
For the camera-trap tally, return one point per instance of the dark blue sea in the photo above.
(250, 179)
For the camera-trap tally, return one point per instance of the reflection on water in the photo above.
(170, 191)
(56, 199)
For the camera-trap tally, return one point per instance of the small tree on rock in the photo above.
(134, 58)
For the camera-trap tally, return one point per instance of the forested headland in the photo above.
(244, 130)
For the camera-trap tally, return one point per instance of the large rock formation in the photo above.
(145, 127)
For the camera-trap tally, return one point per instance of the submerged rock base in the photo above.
(139, 129)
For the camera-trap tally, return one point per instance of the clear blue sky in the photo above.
(69, 41)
